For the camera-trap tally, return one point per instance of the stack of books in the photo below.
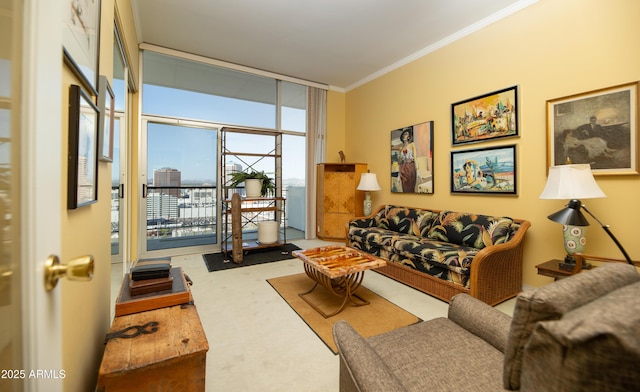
(150, 277)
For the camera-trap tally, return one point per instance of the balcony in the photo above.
(187, 216)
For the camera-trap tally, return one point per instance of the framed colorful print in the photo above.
(82, 172)
(597, 127)
(489, 116)
(106, 107)
(81, 39)
(412, 159)
(485, 170)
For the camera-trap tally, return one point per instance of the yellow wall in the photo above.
(86, 230)
(551, 49)
(335, 126)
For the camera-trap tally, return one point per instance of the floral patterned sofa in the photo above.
(444, 253)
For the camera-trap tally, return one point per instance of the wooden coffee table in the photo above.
(339, 269)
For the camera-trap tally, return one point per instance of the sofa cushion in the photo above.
(435, 355)
(552, 301)
(469, 229)
(594, 347)
(454, 257)
(376, 236)
(406, 220)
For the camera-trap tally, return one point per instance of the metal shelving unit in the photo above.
(252, 211)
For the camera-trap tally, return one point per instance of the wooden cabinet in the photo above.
(338, 201)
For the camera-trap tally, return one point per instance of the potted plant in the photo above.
(266, 186)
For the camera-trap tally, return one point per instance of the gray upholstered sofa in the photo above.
(581, 333)
(445, 253)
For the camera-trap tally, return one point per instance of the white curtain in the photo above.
(316, 132)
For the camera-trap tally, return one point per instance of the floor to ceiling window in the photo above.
(178, 91)
(119, 166)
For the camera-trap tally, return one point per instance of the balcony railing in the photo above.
(176, 217)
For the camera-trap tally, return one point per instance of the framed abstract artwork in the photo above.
(412, 159)
(485, 117)
(82, 171)
(81, 40)
(485, 170)
(598, 127)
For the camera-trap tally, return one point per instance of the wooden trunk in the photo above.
(173, 358)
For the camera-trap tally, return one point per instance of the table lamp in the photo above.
(575, 182)
(368, 183)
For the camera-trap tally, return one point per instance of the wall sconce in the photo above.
(368, 183)
(575, 182)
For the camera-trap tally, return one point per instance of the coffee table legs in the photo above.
(343, 287)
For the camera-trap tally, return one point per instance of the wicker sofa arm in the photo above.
(361, 368)
(482, 320)
(496, 271)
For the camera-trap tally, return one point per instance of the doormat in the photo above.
(216, 261)
(378, 317)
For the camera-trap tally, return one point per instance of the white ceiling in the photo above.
(341, 43)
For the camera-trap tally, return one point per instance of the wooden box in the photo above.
(179, 294)
(173, 358)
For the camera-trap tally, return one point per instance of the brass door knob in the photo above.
(79, 269)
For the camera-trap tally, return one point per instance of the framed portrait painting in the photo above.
(598, 127)
(485, 117)
(412, 159)
(82, 171)
(485, 170)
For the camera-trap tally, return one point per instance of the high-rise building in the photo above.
(167, 177)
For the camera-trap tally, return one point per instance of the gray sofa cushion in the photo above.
(552, 301)
(437, 354)
(594, 347)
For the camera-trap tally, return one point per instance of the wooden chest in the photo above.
(171, 358)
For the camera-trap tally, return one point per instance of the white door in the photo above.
(30, 194)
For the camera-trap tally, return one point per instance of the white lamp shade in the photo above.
(571, 182)
(368, 182)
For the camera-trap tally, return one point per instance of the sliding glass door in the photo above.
(179, 194)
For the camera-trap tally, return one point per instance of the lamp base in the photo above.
(569, 264)
(368, 206)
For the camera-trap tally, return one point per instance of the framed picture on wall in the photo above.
(485, 117)
(82, 172)
(597, 127)
(412, 159)
(106, 107)
(489, 170)
(81, 39)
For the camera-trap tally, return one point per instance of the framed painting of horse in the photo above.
(597, 127)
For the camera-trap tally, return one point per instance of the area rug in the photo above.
(378, 317)
(216, 262)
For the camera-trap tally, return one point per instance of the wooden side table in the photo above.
(552, 269)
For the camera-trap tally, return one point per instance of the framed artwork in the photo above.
(412, 159)
(489, 116)
(597, 127)
(83, 149)
(484, 170)
(80, 40)
(106, 107)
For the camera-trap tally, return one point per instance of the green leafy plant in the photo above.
(268, 183)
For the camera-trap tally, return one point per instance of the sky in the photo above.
(193, 150)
